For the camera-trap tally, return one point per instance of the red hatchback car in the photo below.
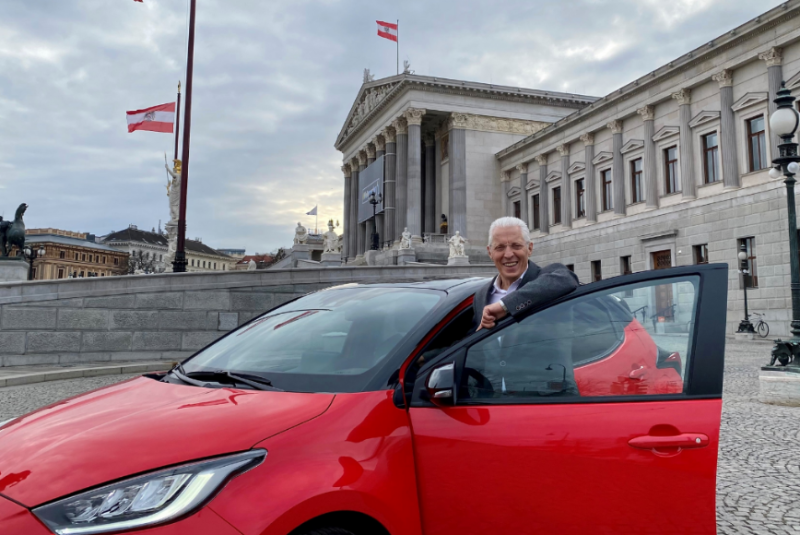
(377, 409)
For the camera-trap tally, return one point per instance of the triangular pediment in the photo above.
(577, 167)
(632, 145)
(371, 97)
(514, 191)
(553, 175)
(704, 117)
(748, 100)
(793, 82)
(532, 183)
(666, 132)
(602, 157)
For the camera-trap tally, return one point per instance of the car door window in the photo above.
(633, 339)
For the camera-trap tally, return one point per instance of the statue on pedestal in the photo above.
(174, 195)
(331, 239)
(457, 243)
(13, 233)
(443, 225)
(300, 234)
(405, 239)
(251, 265)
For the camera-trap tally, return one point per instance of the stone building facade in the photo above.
(671, 169)
(73, 255)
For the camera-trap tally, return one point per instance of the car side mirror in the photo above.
(441, 385)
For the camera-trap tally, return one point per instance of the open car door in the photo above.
(598, 414)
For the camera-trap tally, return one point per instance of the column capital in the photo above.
(773, 56)
(615, 126)
(457, 120)
(541, 159)
(563, 149)
(414, 116)
(400, 125)
(522, 168)
(380, 142)
(429, 138)
(362, 157)
(346, 170)
(684, 96)
(724, 78)
(647, 112)
(505, 176)
(588, 138)
(370, 148)
(389, 134)
(354, 164)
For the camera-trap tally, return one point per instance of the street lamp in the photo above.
(784, 122)
(744, 326)
(375, 201)
(31, 255)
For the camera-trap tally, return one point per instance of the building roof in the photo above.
(65, 240)
(256, 258)
(135, 235)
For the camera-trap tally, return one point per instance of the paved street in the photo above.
(758, 488)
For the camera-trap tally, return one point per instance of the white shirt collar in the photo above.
(513, 287)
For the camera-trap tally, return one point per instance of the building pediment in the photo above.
(666, 133)
(632, 145)
(601, 157)
(369, 99)
(553, 176)
(750, 99)
(793, 82)
(704, 117)
(514, 191)
(532, 183)
(577, 167)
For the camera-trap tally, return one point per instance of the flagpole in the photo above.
(179, 265)
(398, 46)
(177, 120)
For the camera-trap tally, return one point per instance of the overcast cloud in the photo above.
(273, 83)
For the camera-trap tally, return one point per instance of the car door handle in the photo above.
(684, 440)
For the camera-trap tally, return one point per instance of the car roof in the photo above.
(472, 283)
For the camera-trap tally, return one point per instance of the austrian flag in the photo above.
(155, 119)
(387, 30)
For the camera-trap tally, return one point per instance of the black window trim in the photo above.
(705, 374)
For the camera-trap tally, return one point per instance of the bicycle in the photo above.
(762, 328)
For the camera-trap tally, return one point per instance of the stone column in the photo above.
(523, 199)
(590, 190)
(370, 148)
(389, 183)
(617, 167)
(544, 196)
(414, 207)
(362, 227)
(457, 150)
(684, 98)
(505, 180)
(566, 187)
(348, 194)
(649, 167)
(727, 126)
(429, 193)
(353, 234)
(437, 174)
(369, 231)
(774, 59)
(401, 187)
(380, 146)
(380, 150)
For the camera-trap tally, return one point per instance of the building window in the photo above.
(91, 258)
(557, 205)
(215, 265)
(711, 158)
(60, 273)
(536, 212)
(104, 259)
(701, 253)
(517, 210)
(192, 262)
(62, 254)
(671, 170)
(204, 263)
(597, 273)
(625, 265)
(571, 267)
(83, 258)
(637, 195)
(605, 181)
(81, 274)
(580, 199)
(751, 278)
(756, 144)
(116, 261)
(76, 256)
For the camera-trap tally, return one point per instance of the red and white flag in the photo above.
(387, 30)
(155, 119)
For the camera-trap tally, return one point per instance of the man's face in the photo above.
(509, 252)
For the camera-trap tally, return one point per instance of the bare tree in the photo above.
(138, 260)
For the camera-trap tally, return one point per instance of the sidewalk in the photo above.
(23, 375)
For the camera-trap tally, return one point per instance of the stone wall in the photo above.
(168, 316)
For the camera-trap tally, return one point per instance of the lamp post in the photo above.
(784, 122)
(375, 201)
(745, 326)
(31, 255)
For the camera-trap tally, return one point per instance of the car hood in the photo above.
(134, 427)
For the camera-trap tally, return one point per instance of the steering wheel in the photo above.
(481, 387)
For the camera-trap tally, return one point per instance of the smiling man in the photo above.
(520, 285)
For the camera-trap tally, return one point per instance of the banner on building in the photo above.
(369, 180)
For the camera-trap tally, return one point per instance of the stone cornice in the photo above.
(615, 126)
(683, 96)
(724, 78)
(588, 138)
(487, 123)
(648, 112)
(414, 116)
(649, 83)
(773, 56)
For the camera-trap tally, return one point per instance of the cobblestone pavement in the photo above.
(758, 484)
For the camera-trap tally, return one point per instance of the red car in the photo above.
(377, 409)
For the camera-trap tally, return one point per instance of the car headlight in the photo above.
(146, 500)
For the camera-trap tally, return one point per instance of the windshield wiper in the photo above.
(196, 378)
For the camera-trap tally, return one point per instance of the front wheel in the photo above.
(763, 329)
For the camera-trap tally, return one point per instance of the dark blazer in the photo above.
(538, 286)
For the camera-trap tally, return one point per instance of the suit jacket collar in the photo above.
(530, 274)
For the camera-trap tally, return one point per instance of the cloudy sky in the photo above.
(274, 80)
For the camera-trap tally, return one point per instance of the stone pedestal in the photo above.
(779, 386)
(300, 251)
(331, 260)
(458, 261)
(371, 257)
(13, 270)
(406, 255)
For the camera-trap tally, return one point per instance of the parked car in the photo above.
(377, 409)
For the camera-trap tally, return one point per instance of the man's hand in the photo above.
(492, 314)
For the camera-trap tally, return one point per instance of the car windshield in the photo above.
(330, 341)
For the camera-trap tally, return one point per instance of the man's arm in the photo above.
(554, 281)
